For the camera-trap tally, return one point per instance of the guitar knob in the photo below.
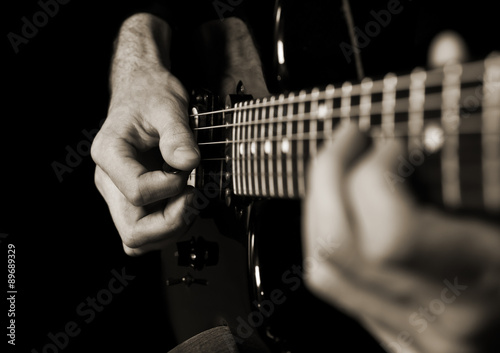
(188, 280)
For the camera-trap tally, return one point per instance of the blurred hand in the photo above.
(147, 125)
(418, 279)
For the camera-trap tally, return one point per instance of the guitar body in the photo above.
(253, 283)
(240, 264)
(224, 293)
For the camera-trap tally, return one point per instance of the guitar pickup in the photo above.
(197, 253)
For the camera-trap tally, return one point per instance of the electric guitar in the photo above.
(240, 263)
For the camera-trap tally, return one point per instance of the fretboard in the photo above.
(442, 114)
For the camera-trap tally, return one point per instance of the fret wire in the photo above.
(269, 150)
(375, 134)
(287, 175)
(365, 104)
(450, 121)
(416, 107)
(243, 141)
(245, 123)
(265, 189)
(248, 149)
(236, 151)
(287, 145)
(490, 140)
(401, 129)
(389, 103)
(313, 125)
(291, 174)
(279, 134)
(233, 150)
(471, 71)
(254, 149)
(433, 102)
(415, 127)
(241, 147)
(300, 145)
(328, 106)
(345, 102)
(300, 173)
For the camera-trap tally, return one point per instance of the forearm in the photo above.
(143, 43)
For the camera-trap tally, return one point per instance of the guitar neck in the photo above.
(268, 142)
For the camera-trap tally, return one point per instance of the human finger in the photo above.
(139, 226)
(326, 218)
(118, 155)
(169, 117)
(386, 217)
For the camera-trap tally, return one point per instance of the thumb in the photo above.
(178, 147)
(177, 144)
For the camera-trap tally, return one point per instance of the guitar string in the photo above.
(288, 101)
(306, 117)
(329, 112)
(257, 155)
(331, 92)
(375, 133)
(307, 136)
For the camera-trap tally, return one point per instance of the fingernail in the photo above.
(186, 153)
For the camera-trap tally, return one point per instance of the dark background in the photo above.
(66, 243)
(55, 87)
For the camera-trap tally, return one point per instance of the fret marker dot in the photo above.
(267, 147)
(433, 138)
(322, 111)
(242, 148)
(253, 147)
(285, 146)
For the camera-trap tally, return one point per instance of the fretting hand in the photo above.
(418, 279)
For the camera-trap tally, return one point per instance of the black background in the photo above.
(66, 244)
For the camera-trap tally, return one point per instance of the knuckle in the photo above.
(99, 179)
(312, 282)
(135, 195)
(176, 100)
(381, 256)
(139, 192)
(174, 137)
(131, 251)
(382, 245)
(96, 148)
(129, 239)
(172, 224)
(315, 281)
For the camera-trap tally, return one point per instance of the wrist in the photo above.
(141, 84)
(142, 48)
(147, 91)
